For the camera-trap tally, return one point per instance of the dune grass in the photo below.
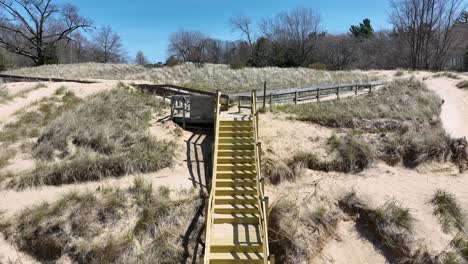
(449, 211)
(6, 154)
(402, 99)
(463, 85)
(208, 77)
(450, 75)
(29, 123)
(104, 136)
(391, 225)
(300, 227)
(111, 225)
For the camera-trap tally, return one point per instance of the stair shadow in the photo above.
(198, 158)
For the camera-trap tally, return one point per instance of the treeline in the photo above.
(36, 32)
(424, 35)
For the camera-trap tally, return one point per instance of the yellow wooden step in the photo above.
(236, 167)
(236, 258)
(235, 218)
(236, 128)
(236, 182)
(236, 146)
(236, 209)
(235, 122)
(235, 190)
(235, 159)
(226, 248)
(236, 175)
(233, 236)
(236, 133)
(236, 153)
(236, 199)
(239, 139)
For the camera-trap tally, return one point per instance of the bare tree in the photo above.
(108, 46)
(244, 25)
(188, 46)
(140, 58)
(425, 28)
(298, 30)
(32, 27)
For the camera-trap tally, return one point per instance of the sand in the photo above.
(455, 109)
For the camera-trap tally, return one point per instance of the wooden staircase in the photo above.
(236, 229)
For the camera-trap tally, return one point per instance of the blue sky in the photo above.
(146, 25)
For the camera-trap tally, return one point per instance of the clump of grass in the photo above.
(402, 99)
(276, 171)
(391, 224)
(463, 85)
(4, 95)
(306, 160)
(352, 153)
(5, 155)
(102, 137)
(101, 227)
(461, 244)
(450, 75)
(449, 211)
(399, 73)
(30, 123)
(299, 227)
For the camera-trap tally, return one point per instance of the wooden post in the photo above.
(272, 259)
(240, 101)
(338, 92)
(370, 89)
(264, 95)
(172, 107)
(266, 206)
(356, 89)
(295, 97)
(318, 94)
(183, 112)
(271, 101)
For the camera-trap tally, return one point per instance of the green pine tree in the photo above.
(363, 30)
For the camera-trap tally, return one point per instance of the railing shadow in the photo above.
(198, 158)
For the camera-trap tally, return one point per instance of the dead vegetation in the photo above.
(110, 225)
(300, 227)
(105, 136)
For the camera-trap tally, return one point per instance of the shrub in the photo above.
(353, 154)
(318, 66)
(449, 211)
(399, 73)
(109, 225)
(235, 65)
(461, 244)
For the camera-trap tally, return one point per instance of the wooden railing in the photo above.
(297, 95)
(262, 200)
(210, 207)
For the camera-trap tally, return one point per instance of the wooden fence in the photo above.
(7, 78)
(304, 94)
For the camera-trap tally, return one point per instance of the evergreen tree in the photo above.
(363, 30)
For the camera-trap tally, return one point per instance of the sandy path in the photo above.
(455, 109)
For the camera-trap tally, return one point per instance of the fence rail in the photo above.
(6, 78)
(304, 94)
